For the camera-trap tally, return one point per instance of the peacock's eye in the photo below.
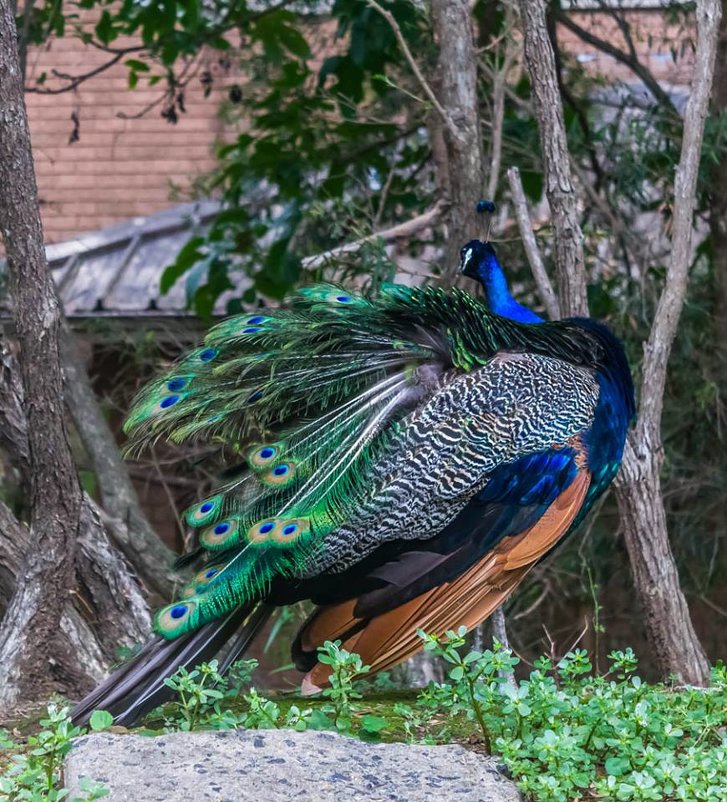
(208, 354)
(169, 401)
(179, 611)
(267, 527)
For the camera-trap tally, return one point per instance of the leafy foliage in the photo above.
(203, 692)
(564, 733)
(33, 773)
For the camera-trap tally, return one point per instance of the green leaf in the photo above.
(137, 65)
(457, 673)
(373, 723)
(105, 28)
(189, 255)
(617, 766)
(100, 720)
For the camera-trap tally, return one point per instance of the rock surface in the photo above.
(277, 765)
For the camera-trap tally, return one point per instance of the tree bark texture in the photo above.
(676, 647)
(718, 196)
(457, 91)
(109, 609)
(559, 189)
(135, 537)
(30, 630)
(13, 430)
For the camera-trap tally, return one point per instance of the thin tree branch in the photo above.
(405, 229)
(545, 288)
(457, 88)
(629, 60)
(561, 195)
(666, 319)
(76, 80)
(141, 545)
(423, 83)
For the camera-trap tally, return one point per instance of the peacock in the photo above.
(402, 460)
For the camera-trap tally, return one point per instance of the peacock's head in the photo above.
(478, 260)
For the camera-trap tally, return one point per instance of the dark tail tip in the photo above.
(138, 687)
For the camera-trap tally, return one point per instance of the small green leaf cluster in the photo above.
(202, 693)
(566, 734)
(32, 773)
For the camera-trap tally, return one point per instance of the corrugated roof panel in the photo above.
(87, 278)
(137, 283)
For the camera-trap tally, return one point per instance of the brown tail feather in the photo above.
(391, 637)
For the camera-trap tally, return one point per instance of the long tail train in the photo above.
(138, 687)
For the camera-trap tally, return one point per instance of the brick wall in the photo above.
(653, 34)
(118, 168)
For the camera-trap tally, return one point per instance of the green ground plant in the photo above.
(31, 772)
(564, 733)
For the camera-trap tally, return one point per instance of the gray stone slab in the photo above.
(277, 765)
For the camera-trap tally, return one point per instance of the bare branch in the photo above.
(405, 229)
(629, 60)
(638, 486)
(76, 80)
(666, 614)
(545, 288)
(135, 537)
(423, 83)
(540, 61)
(666, 320)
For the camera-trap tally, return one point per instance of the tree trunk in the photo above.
(120, 616)
(559, 189)
(676, 647)
(718, 196)
(30, 639)
(150, 558)
(457, 90)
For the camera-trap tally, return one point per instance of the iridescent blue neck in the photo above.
(479, 261)
(499, 298)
